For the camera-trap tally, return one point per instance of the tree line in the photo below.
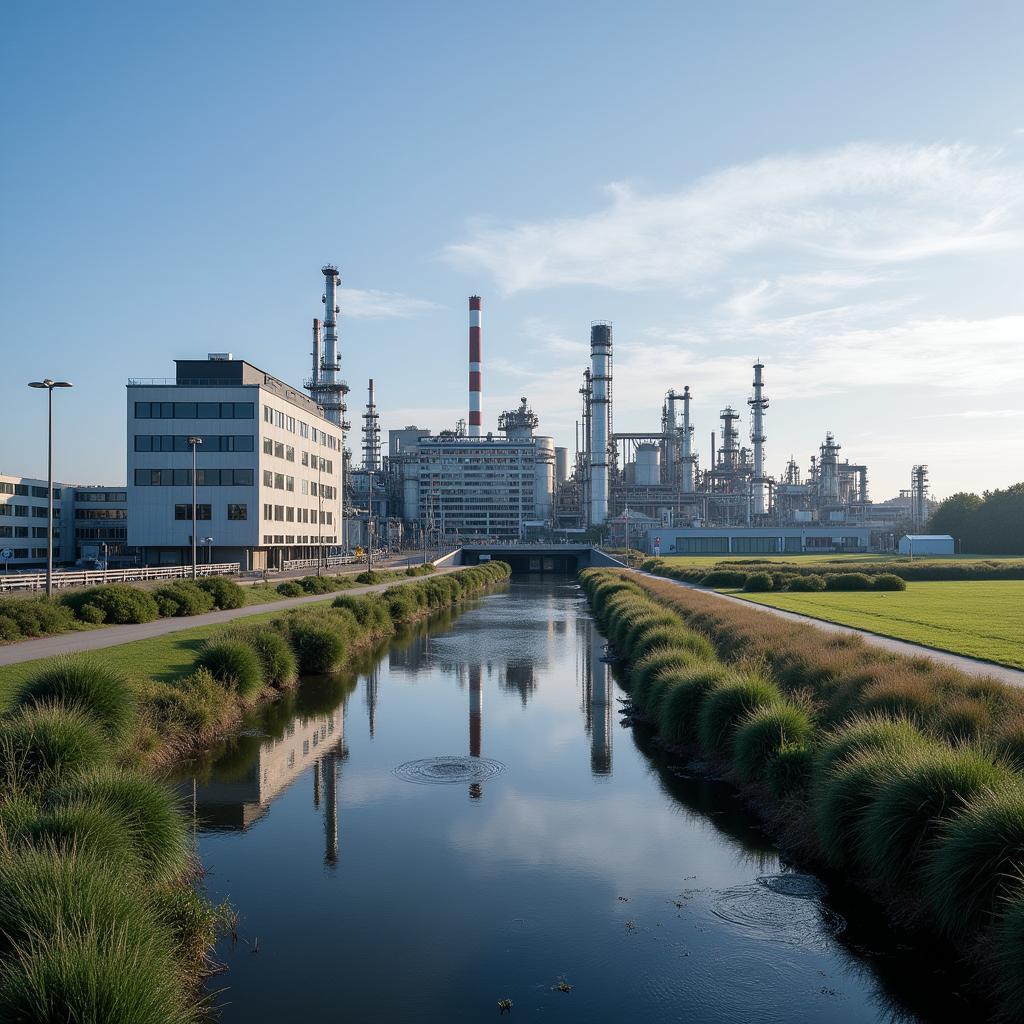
(989, 524)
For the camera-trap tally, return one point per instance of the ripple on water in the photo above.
(439, 771)
(783, 908)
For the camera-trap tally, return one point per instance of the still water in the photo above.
(465, 820)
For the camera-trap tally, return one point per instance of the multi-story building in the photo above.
(269, 467)
(23, 521)
(94, 525)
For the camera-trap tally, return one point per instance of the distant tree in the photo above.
(956, 516)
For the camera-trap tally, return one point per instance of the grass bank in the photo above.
(100, 917)
(981, 619)
(902, 776)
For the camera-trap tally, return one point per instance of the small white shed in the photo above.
(927, 544)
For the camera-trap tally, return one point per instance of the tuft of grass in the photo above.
(927, 788)
(99, 691)
(83, 829)
(43, 745)
(765, 733)
(673, 635)
(277, 659)
(1008, 955)
(319, 647)
(148, 810)
(727, 706)
(868, 732)
(963, 720)
(651, 666)
(233, 662)
(790, 771)
(974, 868)
(909, 696)
(680, 710)
(88, 977)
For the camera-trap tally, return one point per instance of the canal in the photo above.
(464, 820)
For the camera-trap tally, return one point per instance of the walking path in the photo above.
(971, 666)
(111, 636)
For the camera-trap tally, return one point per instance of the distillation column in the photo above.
(600, 418)
(687, 445)
(758, 404)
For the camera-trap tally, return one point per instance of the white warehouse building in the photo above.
(927, 544)
(269, 467)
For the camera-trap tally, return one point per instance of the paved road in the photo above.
(96, 639)
(971, 666)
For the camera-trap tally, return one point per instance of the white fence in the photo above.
(93, 577)
(313, 563)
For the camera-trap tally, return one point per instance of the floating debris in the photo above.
(561, 986)
(505, 1006)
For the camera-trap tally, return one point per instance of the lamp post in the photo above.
(49, 385)
(194, 442)
(208, 541)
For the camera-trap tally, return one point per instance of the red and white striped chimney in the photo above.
(475, 374)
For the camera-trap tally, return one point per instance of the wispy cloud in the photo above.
(369, 304)
(837, 212)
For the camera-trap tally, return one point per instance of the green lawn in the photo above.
(982, 619)
(163, 657)
(706, 561)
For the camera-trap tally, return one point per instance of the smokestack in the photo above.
(371, 433)
(686, 457)
(600, 417)
(317, 353)
(331, 364)
(475, 372)
(758, 404)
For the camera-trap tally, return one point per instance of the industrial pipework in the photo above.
(475, 373)
(371, 433)
(317, 353)
(600, 405)
(758, 404)
(687, 457)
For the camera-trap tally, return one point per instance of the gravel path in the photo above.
(110, 636)
(971, 666)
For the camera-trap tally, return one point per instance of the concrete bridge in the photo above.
(526, 558)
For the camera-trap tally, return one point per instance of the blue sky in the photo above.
(836, 189)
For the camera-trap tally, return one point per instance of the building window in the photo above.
(290, 424)
(194, 410)
(237, 512)
(21, 531)
(279, 513)
(289, 453)
(279, 419)
(289, 483)
(305, 458)
(183, 478)
(305, 487)
(268, 446)
(268, 478)
(39, 513)
(303, 429)
(21, 489)
(279, 449)
(21, 511)
(279, 481)
(268, 511)
(203, 512)
(290, 514)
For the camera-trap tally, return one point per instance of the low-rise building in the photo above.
(23, 522)
(927, 544)
(269, 467)
(767, 540)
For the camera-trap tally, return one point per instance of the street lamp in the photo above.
(195, 442)
(49, 385)
(208, 541)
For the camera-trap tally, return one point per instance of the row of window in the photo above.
(105, 496)
(289, 539)
(289, 514)
(283, 421)
(179, 442)
(236, 512)
(23, 553)
(38, 532)
(24, 490)
(23, 511)
(283, 482)
(101, 513)
(102, 533)
(183, 478)
(194, 410)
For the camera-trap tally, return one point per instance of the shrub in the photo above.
(92, 614)
(9, 629)
(848, 581)
(727, 706)
(36, 616)
(361, 607)
(233, 663)
(369, 576)
(759, 583)
(790, 770)
(679, 711)
(888, 581)
(930, 786)
(764, 733)
(96, 690)
(975, 867)
(193, 704)
(812, 583)
(149, 812)
(401, 603)
(318, 647)
(42, 745)
(653, 665)
(677, 636)
(90, 977)
(225, 593)
(290, 589)
(724, 578)
(277, 659)
(317, 584)
(118, 602)
(842, 797)
(182, 598)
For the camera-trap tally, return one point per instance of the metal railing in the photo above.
(94, 577)
(329, 561)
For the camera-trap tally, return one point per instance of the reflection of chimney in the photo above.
(316, 784)
(371, 699)
(600, 708)
(476, 721)
(331, 816)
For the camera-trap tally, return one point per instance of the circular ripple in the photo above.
(439, 771)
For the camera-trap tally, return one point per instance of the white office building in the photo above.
(23, 520)
(269, 467)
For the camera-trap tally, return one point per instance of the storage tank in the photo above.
(561, 466)
(544, 477)
(648, 465)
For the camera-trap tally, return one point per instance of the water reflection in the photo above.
(656, 892)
